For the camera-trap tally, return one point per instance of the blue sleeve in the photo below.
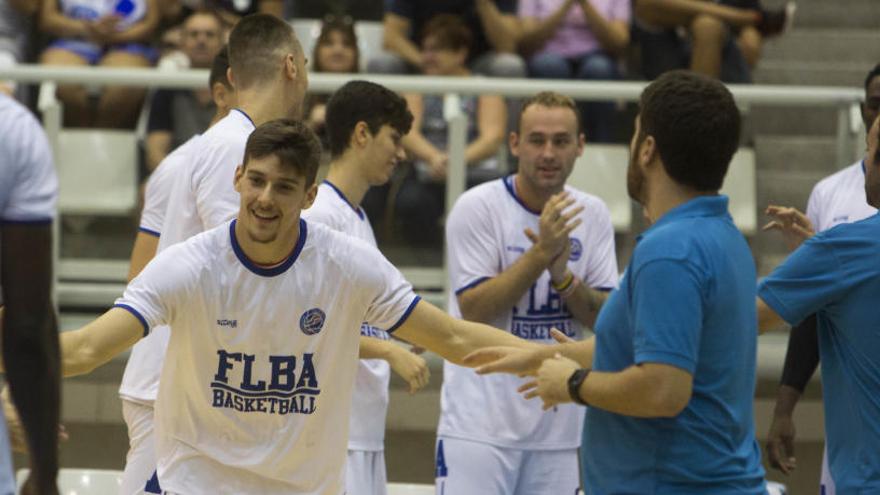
(667, 300)
(809, 279)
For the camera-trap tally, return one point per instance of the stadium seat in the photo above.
(410, 489)
(82, 481)
(307, 31)
(369, 35)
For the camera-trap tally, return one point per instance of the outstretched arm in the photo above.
(85, 349)
(405, 363)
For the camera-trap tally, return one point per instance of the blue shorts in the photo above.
(93, 52)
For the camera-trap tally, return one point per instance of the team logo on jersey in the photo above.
(312, 321)
(577, 249)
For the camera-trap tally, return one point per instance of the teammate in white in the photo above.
(256, 385)
(138, 388)
(526, 254)
(836, 199)
(365, 123)
(28, 192)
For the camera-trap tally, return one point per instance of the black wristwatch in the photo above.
(574, 385)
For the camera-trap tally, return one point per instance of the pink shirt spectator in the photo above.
(574, 38)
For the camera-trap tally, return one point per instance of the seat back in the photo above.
(82, 481)
(97, 171)
(601, 171)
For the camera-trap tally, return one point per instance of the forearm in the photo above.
(802, 355)
(95, 344)
(402, 46)
(138, 32)
(143, 251)
(371, 348)
(488, 300)
(613, 36)
(58, 25)
(500, 29)
(635, 391)
(481, 148)
(418, 146)
(786, 399)
(535, 32)
(767, 318)
(585, 303)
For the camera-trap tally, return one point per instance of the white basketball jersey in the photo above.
(28, 193)
(484, 235)
(840, 198)
(202, 197)
(256, 388)
(159, 187)
(370, 400)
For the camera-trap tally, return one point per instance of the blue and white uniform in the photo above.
(484, 235)
(687, 299)
(835, 274)
(28, 194)
(365, 467)
(159, 187)
(202, 197)
(836, 199)
(256, 385)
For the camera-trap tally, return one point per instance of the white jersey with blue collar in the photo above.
(839, 198)
(159, 187)
(202, 197)
(370, 400)
(484, 236)
(256, 385)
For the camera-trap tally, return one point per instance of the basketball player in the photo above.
(28, 192)
(365, 123)
(263, 311)
(526, 254)
(670, 374)
(836, 199)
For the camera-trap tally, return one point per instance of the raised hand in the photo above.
(794, 225)
(558, 220)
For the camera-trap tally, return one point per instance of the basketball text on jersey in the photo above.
(283, 393)
(535, 321)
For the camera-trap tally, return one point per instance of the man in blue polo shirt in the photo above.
(670, 374)
(836, 274)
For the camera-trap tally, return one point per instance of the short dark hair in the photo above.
(256, 45)
(695, 123)
(219, 68)
(549, 99)
(331, 25)
(293, 142)
(871, 75)
(363, 101)
(450, 30)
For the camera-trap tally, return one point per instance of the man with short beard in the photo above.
(670, 374)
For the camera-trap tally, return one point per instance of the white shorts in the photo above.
(826, 483)
(365, 473)
(463, 467)
(140, 462)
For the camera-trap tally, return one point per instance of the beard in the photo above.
(635, 181)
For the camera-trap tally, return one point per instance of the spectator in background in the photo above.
(15, 23)
(577, 39)
(492, 23)
(336, 52)
(725, 37)
(109, 34)
(178, 114)
(420, 203)
(233, 10)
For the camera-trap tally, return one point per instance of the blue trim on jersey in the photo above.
(603, 289)
(511, 188)
(149, 232)
(406, 313)
(358, 210)
(472, 285)
(246, 116)
(275, 270)
(865, 172)
(137, 315)
(36, 221)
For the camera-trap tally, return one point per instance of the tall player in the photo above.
(264, 310)
(365, 123)
(526, 254)
(137, 391)
(836, 199)
(267, 70)
(28, 192)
